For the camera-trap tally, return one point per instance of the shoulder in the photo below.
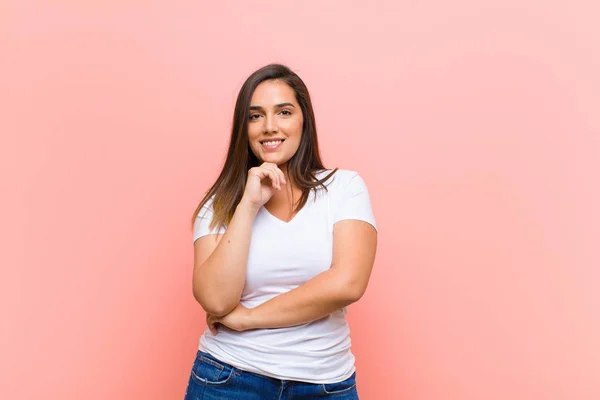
(340, 179)
(207, 209)
(342, 184)
(350, 196)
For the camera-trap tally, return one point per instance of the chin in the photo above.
(275, 159)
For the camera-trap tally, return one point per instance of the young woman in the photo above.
(281, 247)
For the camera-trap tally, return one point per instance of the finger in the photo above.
(279, 172)
(268, 164)
(210, 323)
(274, 178)
(260, 172)
(281, 175)
(278, 178)
(265, 171)
(269, 170)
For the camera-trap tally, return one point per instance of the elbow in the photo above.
(353, 292)
(214, 305)
(222, 309)
(356, 295)
(350, 288)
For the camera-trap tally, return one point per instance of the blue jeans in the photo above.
(212, 379)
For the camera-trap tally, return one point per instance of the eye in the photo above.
(286, 112)
(254, 116)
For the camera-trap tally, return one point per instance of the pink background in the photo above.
(475, 125)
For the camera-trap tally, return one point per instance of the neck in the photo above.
(283, 168)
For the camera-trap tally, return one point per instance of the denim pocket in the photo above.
(209, 371)
(340, 387)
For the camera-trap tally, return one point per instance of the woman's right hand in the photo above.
(261, 184)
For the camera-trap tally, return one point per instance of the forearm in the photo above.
(317, 298)
(219, 281)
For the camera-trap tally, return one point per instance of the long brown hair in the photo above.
(301, 168)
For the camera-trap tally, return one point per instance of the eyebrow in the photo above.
(276, 106)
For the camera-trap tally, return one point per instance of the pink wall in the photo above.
(475, 125)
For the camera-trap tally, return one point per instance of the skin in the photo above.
(275, 113)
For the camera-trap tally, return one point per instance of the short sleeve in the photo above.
(203, 220)
(354, 202)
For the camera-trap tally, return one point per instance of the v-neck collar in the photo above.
(295, 217)
(280, 221)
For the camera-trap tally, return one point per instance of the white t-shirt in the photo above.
(283, 256)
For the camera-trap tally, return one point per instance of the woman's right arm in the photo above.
(220, 260)
(220, 263)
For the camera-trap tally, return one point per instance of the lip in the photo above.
(271, 148)
(271, 140)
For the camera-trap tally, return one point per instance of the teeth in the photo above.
(273, 143)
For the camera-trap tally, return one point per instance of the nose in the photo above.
(271, 124)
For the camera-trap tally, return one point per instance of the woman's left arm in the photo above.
(354, 247)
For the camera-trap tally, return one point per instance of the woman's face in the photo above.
(275, 122)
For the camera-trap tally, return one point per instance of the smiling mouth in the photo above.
(272, 144)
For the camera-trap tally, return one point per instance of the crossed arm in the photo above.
(354, 248)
